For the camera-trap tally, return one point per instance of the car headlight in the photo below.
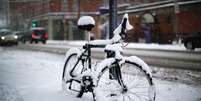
(15, 36)
(2, 37)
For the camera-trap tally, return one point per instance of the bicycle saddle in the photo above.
(86, 23)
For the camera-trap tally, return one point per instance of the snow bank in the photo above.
(156, 46)
(176, 47)
(100, 42)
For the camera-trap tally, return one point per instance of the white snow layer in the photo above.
(100, 42)
(73, 51)
(36, 76)
(86, 20)
(140, 62)
(128, 25)
(117, 31)
(154, 46)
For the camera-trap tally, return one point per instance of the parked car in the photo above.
(193, 41)
(8, 38)
(19, 35)
(38, 34)
(26, 36)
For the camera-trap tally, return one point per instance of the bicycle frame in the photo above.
(86, 57)
(89, 78)
(115, 69)
(88, 46)
(87, 54)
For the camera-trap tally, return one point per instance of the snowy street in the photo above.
(174, 56)
(36, 76)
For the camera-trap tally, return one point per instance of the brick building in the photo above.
(172, 19)
(165, 20)
(62, 15)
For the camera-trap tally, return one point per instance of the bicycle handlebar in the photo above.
(123, 28)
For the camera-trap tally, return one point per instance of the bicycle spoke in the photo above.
(136, 82)
(123, 98)
(139, 93)
(130, 99)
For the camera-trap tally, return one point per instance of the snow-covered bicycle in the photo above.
(116, 78)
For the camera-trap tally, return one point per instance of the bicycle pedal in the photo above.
(113, 95)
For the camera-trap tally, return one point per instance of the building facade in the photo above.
(60, 17)
(166, 20)
(159, 21)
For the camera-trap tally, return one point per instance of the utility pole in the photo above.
(78, 9)
(7, 13)
(64, 20)
(112, 16)
(112, 26)
(176, 27)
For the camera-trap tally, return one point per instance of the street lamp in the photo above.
(34, 23)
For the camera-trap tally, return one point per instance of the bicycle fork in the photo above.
(118, 76)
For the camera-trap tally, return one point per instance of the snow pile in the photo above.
(156, 46)
(100, 42)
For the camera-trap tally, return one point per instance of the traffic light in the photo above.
(34, 23)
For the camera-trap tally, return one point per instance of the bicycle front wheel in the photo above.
(139, 85)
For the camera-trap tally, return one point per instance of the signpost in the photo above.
(112, 26)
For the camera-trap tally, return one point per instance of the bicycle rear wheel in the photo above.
(71, 62)
(139, 85)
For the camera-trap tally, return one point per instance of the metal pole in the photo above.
(78, 9)
(65, 20)
(176, 27)
(112, 16)
(112, 26)
(7, 14)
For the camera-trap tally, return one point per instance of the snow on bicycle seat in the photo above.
(86, 23)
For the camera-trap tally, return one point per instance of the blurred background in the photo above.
(154, 21)
(166, 35)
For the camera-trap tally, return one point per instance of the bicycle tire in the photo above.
(69, 64)
(110, 90)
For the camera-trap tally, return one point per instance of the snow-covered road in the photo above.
(36, 76)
